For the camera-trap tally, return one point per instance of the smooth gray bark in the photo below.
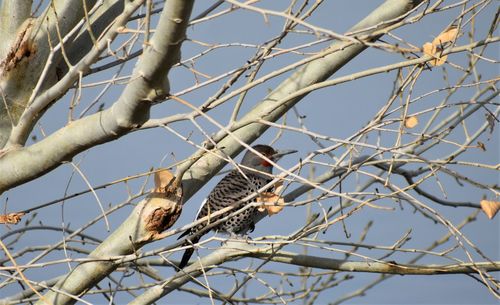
(21, 65)
(268, 109)
(151, 70)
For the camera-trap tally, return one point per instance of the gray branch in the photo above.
(235, 250)
(149, 84)
(12, 15)
(151, 71)
(22, 63)
(269, 110)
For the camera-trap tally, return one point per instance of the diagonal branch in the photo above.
(132, 108)
(21, 65)
(149, 84)
(235, 249)
(268, 109)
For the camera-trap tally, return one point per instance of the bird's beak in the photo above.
(280, 153)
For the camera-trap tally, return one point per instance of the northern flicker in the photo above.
(233, 188)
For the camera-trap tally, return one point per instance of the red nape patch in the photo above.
(266, 164)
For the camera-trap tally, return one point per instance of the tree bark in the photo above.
(149, 217)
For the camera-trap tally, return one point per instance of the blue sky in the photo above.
(337, 111)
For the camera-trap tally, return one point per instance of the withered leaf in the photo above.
(11, 218)
(429, 48)
(270, 197)
(162, 180)
(411, 122)
(446, 36)
(435, 48)
(490, 207)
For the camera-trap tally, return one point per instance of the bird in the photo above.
(238, 184)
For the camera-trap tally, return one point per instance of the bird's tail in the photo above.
(189, 252)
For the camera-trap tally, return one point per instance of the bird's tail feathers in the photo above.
(188, 231)
(189, 252)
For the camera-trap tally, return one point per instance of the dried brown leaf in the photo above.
(269, 197)
(490, 207)
(11, 218)
(434, 48)
(429, 49)
(162, 180)
(446, 36)
(411, 122)
(440, 60)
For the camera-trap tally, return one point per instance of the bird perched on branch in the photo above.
(234, 187)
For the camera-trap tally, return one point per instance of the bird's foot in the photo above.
(241, 237)
(238, 237)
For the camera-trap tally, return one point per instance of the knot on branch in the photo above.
(22, 47)
(163, 206)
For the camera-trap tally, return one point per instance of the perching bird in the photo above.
(231, 189)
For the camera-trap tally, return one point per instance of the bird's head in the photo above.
(254, 161)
